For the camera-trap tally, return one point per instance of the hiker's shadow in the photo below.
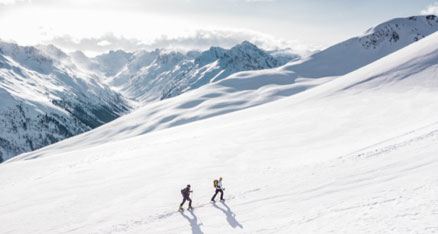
(196, 228)
(231, 217)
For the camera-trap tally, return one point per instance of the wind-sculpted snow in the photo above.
(376, 43)
(357, 154)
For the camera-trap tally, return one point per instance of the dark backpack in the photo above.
(185, 192)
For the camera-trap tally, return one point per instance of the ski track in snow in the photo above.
(131, 224)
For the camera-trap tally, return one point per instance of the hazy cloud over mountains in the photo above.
(96, 26)
(198, 40)
(431, 9)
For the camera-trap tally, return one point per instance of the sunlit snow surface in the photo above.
(358, 154)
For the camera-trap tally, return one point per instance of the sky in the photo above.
(96, 26)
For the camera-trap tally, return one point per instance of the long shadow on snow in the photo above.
(196, 228)
(231, 217)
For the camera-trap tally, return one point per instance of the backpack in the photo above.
(215, 183)
(183, 191)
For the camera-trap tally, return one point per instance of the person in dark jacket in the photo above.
(186, 196)
(219, 189)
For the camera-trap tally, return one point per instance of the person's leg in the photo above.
(222, 194)
(214, 196)
(190, 202)
(184, 200)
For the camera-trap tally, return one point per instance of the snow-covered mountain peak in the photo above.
(377, 42)
(210, 56)
(46, 97)
(52, 51)
(245, 55)
(251, 56)
(170, 58)
(29, 56)
(409, 29)
(245, 45)
(162, 74)
(111, 62)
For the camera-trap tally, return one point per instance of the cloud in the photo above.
(11, 2)
(95, 44)
(431, 9)
(197, 40)
(202, 39)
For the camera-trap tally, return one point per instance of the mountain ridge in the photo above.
(377, 42)
(46, 98)
(49, 95)
(165, 75)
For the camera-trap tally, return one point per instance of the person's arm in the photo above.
(220, 185)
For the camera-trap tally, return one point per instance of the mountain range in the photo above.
(49, 95)
(46, 98)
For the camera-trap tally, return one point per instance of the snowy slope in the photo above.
(45, 98)
(234, 93)
(355, 155)
(374, 44)
(108, 63)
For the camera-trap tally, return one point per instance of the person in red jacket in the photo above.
(186, 196)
